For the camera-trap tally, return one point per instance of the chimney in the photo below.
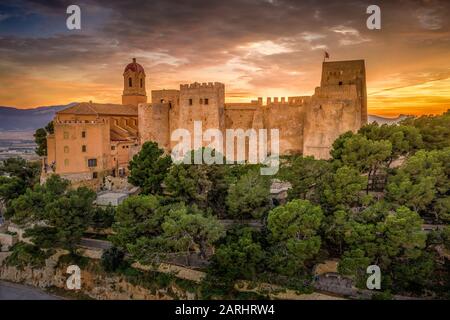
(134, 60)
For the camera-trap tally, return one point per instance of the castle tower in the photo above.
(203, 102)
(351, 72)
(134, 84)
(337, 106)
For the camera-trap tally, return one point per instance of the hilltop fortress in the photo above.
(94, 140)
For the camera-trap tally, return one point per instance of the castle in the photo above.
(93, 140)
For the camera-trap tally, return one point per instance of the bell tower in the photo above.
(134, 84)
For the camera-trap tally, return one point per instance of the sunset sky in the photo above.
(256, 47)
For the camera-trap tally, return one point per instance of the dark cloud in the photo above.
(263, 44)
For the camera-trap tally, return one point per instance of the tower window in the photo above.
(66, 162)
(206, 101)
(83, 148)
(201, 101)
(190, 102)
(83, 134)
(92, 163)
(340, 83)
(130, 82)
(142, 83)
(66, 135)
(66, 149)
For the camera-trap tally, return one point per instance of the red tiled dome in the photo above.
(134, 66)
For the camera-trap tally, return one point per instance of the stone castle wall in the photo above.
(333, 110)
(307, 125)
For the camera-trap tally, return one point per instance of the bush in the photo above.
(112, 259)
(24, 254)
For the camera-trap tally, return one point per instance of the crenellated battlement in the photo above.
(285, 100)
(204, 85)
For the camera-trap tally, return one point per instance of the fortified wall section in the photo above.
(333, 110)
(307, 125)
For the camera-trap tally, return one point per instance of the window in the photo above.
(206, 101)
(113, 147)
(94, 175)
(142, 83)
(340, 83)
(66, 135)
(83, 134)
(130, 82)
(190, 102)
(92, 163)
(201, 101)
(66, 162)
(66, 149)
(83, 148)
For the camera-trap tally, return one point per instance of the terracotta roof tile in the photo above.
(89, 108)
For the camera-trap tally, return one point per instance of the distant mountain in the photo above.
(13, 119)
(382, 120)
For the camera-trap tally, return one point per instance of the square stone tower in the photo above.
(347, 73)
(337, 106)
(203, 102)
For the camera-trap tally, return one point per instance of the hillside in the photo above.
(13, 119)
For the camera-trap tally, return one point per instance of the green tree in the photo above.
(59, 216)
(365, 155)
(305, 175)
(103, 217)
(149, 168)
(294, 229)
(446, 237)
(391, 239)
(239, 257)
(249, 196)
(40, 138)
(435, 130)
(422, 183)
(137, 217)
(184, 231)
(27, 171)
(189, 183)
(345, 189)
(335, 228)
(31, 206)
(404, 139)
(66, 219)
(10, 189)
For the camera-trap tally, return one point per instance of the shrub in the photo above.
(112, 259)
(24, 254)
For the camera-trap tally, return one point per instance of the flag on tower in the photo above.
(327, 56)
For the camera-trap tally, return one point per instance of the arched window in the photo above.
(130, 82)
(142, 83)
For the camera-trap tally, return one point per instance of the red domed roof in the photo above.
(134, 66)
